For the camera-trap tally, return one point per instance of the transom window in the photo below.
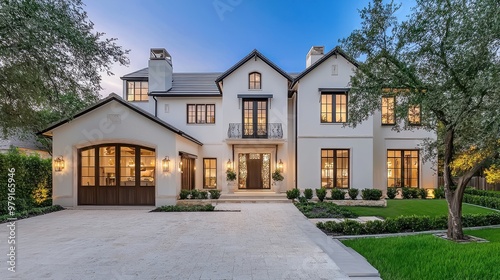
(254, 81)
(201, 113)
(402, 168)
(388, 114)
(414, 114)
(335, 168)
(210, 173)
(137, 91)
(334, 107)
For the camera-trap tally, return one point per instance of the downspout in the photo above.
(156, 106)
(296, 136)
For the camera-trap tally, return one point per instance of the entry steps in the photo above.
(254, 197)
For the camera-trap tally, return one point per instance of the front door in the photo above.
(187, 169)
(254, 171)
(255, 118)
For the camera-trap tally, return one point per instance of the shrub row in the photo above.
(324, 210)
(31, 212)
(336, 194)
(405, 224)
(185, 208)
(371, 194)
(197, 194)
(486, 201)
(472, 191)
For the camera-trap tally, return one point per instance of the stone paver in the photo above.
(263, 241)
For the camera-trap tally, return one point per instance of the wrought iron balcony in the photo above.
(255, 131)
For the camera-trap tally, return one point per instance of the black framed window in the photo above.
(200, 113)
(388, 113)
(335, 168)
(254, 81)
(137, 91)
(210, 173)
(414, 114)
(334, 107)
(403, 168)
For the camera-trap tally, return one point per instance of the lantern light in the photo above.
(59, 164)
(165, 163)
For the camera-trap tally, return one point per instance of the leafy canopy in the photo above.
(50, 62)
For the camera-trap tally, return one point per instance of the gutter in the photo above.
(156, 106)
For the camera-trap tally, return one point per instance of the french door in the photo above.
(255, 118)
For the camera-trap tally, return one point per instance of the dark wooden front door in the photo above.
(254, 179)
(187, 169)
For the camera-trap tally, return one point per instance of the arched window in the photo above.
(254, 81)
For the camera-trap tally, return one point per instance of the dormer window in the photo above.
(137, 91)
(254, 81)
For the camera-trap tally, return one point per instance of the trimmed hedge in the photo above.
(486, 201)
(185, 208)
(31, 212)
(482, 193)
(405, 224)
(324, 210)
(371, 194)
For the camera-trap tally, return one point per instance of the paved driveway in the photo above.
(263, 241)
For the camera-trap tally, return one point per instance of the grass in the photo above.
(407, 207)
(185, 208)
(429, 257)
(324, 210)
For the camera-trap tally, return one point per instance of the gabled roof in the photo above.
(254, 53)
(334, 51)
(139, 74)
(115, 97)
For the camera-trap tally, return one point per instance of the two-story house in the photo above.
(171, 131)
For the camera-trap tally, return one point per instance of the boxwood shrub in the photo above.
(371, 194)
(308, 193)
(482, 193)
(486, 201)
(321, 194)
(405, 224)
(338, 194)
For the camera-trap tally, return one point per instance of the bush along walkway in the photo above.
(31, 213)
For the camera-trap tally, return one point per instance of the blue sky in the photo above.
(212, 35)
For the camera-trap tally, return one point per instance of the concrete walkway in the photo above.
(263, 241)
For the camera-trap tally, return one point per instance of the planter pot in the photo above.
(230, 187)
(277, 186)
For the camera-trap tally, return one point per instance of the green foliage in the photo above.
(195, 194)
(49, 49)
(439, 193)
(277, 176)
(32, 178)
(185, 208)
(422, 193)
(409, 193)
(321, 193)
(406, 224)
(392, 192)
(338, 194)
(486, 201)
(308, 193)
(353, 193)
(230, 175)
(293, 194)
(203, 195)
(302, 199)
(425, 256)
(324, 210)
(26, 213)
(214, 194)
(184, 194)
(473, 191)
(371, 194)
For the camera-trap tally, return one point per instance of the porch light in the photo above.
(165, 163)
(59, 164)
(280, 166)
(229, 164)
(180, 165)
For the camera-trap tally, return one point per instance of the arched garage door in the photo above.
(116, 174)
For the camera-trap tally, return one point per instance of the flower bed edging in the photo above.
(371, 203)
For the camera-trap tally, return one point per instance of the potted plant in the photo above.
(230, 178)
(277, 178)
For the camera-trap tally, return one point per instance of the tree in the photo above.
(50, 62)
(444, 58)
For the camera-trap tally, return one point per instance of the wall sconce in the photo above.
(180, 165)
(59, 164)
(280, 166)
(229, 164)
(165, 163)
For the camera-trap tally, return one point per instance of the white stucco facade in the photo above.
(286, 107)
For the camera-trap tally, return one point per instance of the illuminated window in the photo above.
(254, 81)
(414, 114)
(335, 168)
(402, 168)
(334, 107)
(200, 113)
(210, 173)
(137, 91)
(388, 114)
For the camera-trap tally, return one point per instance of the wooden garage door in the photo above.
(116, 174)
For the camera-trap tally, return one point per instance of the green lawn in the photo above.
(427, 207)
(429, 257)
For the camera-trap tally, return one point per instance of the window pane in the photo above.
(414, 114)
(334, 168)
(326, 108)
(210, 113)
(148, 163)
(402, 168)
(191, 111)
(210, 173)
(107, 166)
(200, 114)
(340, 108)
(137, 91)
(388, 114)
(87, 175)
(127, 166)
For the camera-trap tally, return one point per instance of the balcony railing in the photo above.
(255, 131)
